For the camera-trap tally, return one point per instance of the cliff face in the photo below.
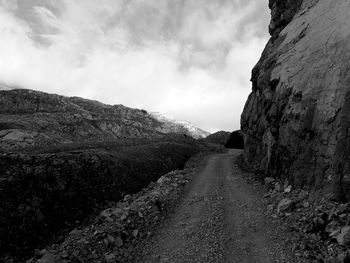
(297, 119)
(31, 118)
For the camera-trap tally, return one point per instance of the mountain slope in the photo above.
(33, 118)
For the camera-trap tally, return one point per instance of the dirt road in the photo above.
(221, 218)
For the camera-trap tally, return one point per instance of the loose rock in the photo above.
(269, 180)
(344, 237)
(110, 258)
(284, 205)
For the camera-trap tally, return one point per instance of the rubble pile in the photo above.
(323, 225)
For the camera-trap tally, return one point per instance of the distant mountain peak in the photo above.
(178, 126)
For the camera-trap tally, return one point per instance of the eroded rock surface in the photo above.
(296, 120)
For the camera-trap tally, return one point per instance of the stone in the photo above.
(119, 242)
(110, 241)
(269, 180)
(270, 207)
(127, 198)
(75, 232)
(47, 258)
(344, 237)
(64, 254)
(42, 252)
(16, 136)
(306, 204)
(135, 232)
(343, 258)
(110, 258)
(284, 205)
(335, 233)
(332, 226)
(277, 187)
(288, 189)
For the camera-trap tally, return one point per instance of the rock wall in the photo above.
(297, 119)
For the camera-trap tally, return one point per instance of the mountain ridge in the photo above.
(35, 118)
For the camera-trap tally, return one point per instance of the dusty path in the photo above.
(221, 218)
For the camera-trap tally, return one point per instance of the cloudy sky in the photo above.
(188, 59)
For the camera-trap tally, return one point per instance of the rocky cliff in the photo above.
(297, 118)
(32, 118)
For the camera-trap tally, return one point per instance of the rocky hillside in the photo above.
(296, 120)
(32, 118)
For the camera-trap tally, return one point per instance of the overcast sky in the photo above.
(188, 59)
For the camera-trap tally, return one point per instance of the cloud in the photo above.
(188, 59)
